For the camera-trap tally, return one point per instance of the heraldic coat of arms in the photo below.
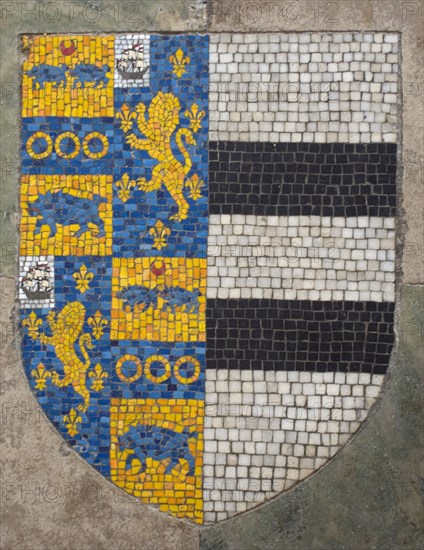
(206, 265)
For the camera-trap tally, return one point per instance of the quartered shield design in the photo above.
(206, 275)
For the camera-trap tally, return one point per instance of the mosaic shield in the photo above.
(207, 254)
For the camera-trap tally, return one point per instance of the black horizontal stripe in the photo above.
(299, 335)
(302, 179)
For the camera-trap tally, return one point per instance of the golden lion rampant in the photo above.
(66, 328)
(163, 120)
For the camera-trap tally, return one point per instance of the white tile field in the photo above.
(301, 258)
(264, 432)
(321, 87)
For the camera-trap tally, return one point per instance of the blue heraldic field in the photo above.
(207, 269)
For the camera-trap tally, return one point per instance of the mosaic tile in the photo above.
(287, 425)
(66, 215)
(301, 258)
(161, 300)
(207, 254)
(132, 55)
(303, 179)
(298, 87)
(36, 281)
(68, 76)
(156, 452)
(300, 335)
(113, 254)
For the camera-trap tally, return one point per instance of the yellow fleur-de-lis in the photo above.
(83, 278)
(97, 322)
(195, 184)
(33, 324)
(160, 234)
(72, 420)
(97, 376)
(125, 185)
(40, 375)
(195, 117)
(179, 61)
(126, 116)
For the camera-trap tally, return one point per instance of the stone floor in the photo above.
(370, 494)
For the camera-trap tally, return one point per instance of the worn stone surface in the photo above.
(302, 15)
(412, 155)
(370, 494)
